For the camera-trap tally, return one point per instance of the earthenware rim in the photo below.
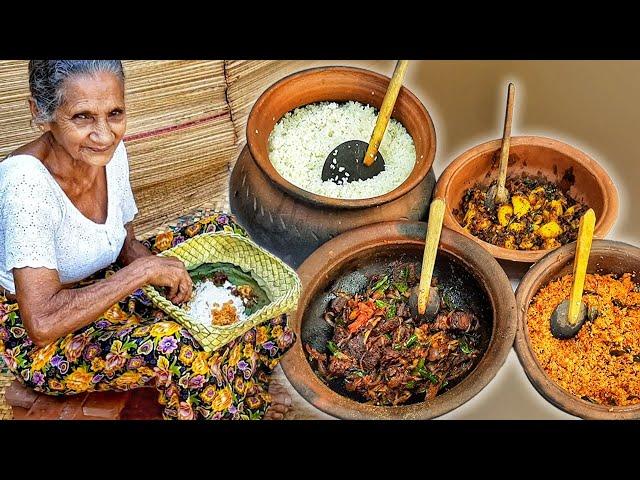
(263, 162)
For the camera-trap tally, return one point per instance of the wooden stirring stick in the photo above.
(388, 103)
(580, 261)
(434, 228)
(501, 192)
(569, 316)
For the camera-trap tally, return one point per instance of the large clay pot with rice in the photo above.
(334, 266)
(582, 177)
(292, 222)
(606, 257)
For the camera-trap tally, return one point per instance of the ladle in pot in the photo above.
(424, 300)
(498, 194)
(357, 160)
(568, 317)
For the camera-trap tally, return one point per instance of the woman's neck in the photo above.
(73, 175)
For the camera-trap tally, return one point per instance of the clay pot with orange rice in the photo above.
(594, 375)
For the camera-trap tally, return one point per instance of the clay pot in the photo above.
(345, 257)
(606, 257)
(554, 159)
(292, 222)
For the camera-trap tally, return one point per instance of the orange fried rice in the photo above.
(601, 364)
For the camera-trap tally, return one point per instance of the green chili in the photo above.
(411, 341)
(424, 373)
(383, 282)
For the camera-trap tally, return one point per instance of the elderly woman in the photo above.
(72, 320)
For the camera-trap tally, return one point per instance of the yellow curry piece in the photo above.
(538, 216)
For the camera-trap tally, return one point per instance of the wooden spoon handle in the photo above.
(501, 193)
(580, 261)
(388, 103)
(434, 228)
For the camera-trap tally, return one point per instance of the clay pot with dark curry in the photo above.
(463, 269)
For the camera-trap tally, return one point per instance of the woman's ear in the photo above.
(34, 114)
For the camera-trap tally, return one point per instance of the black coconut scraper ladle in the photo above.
(357, 160)
(568, 317)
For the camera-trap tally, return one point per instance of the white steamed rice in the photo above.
(206, 297)
(302, 139)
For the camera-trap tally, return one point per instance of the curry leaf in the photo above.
(383, 282)
(401, 286)
(464, 346)
(391, 311)
(380, 304)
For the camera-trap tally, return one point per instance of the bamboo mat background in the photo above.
(186, 126)
(5, 410)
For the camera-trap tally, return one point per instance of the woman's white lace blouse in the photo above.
(40, 227)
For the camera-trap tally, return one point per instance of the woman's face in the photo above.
(91, 120)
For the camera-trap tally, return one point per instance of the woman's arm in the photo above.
(132, 248)
(50, 311)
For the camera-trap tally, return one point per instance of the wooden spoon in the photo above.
(498, 194)
(569, 316)
(356, 160)
(426, 300)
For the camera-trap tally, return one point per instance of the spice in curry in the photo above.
(538, 216)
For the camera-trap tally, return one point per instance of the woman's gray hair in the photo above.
(47, 78)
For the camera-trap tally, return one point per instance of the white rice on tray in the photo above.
(302, 139)
(207, 297)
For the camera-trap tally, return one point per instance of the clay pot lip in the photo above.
(528, 287)
(263, 162)
(313, 273)
(603, 224)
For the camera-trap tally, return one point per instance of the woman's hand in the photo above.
(159, 271)
(168, 272)
(50, 311)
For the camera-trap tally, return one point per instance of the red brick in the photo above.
(17, 395)
(107, 405)
(142, 405)
(72, 408)
(20, 413)
(46, 407)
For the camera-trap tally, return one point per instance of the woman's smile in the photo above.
(100, 149)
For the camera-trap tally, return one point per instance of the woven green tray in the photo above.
(277, 279)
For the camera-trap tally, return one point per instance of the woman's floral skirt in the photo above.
(133, 344)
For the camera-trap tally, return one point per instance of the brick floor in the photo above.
(139, 404)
